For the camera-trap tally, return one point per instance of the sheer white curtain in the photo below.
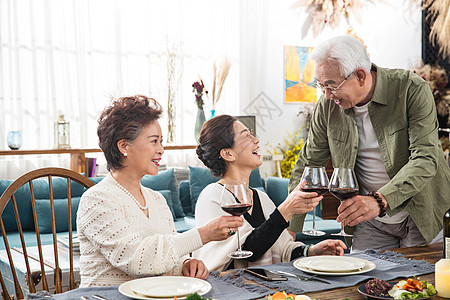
(72, 56)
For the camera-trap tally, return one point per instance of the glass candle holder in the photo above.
(14, 140)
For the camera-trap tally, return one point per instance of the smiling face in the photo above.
(351, 91)
(246, 147)
(144, 153)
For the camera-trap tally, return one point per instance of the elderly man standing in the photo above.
(381, 122)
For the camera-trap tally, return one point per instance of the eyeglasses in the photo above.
(333, 90)
(251, 135)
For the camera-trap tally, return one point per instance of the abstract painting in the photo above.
(299, 75)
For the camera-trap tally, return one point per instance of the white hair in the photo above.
(346, 50)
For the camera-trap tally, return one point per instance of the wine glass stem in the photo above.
(239, 243)
(314, 219)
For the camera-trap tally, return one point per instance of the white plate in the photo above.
(166, 286)
(126, 290)
(335, 264)
(300, 264)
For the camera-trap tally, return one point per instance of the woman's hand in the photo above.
(298, 202)
(220, 228)
(328, 247)
(194, 268)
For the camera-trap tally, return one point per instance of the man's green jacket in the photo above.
(404, 119)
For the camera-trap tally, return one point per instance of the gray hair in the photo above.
(346, 50)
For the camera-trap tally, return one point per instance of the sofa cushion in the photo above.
(23, 204)
(277, 190)
(256, 181)
(61, 214)
(185, 196)
(41, 188)
(164, 183)
(184, 224)
(96, 179)
(200, 177)
(168, 196)
(165, 180)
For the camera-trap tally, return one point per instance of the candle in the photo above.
(442, 278)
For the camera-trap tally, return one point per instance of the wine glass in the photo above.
(316, 180)
(343, 185)
(236, 200)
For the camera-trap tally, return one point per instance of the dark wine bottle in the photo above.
(447, 234)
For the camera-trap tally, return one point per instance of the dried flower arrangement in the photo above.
(198, 87)
(438, 80)
(221, 71)
(440, 30)
(328, 12)
(174, 65)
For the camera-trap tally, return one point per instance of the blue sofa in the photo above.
(181, 200)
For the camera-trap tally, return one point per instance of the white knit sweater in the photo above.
(214, 254)
(119, 243)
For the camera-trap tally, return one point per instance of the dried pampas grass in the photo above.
(440, 29)
(328, 12)
(221, 71)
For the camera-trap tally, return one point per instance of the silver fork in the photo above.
(303, 278)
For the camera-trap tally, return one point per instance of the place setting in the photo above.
(164, 287)
(334, 265)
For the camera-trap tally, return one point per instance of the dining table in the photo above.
(236, 284)
(430, 253)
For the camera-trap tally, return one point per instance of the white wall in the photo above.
(391, 32)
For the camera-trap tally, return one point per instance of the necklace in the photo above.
(131, 196)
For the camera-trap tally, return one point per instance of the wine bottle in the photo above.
(447, 234)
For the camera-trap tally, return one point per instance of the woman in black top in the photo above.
(230, 151)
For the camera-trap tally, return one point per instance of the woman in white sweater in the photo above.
(125, 229)
(230, 151)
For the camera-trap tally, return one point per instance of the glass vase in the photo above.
(213, 114)
(199, 123)
(14, 140)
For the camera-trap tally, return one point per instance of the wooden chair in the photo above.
(9, 196)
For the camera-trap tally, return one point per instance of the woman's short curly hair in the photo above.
(124, 119)
(216, 134)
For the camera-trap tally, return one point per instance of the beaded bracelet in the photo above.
(380, 203)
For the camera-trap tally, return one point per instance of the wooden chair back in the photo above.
(9, 196)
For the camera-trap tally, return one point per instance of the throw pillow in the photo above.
(168, 196)
(255, 180)
(199, 178)
(23, 204)
(61, 214)
(165, 180)
(41, 188)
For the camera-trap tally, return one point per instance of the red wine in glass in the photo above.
(236, 200)
(343, 185)
(319, 191)
(343, 193)
(314, 179)
(236, 209)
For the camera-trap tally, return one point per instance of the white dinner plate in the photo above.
(303, 264)
(180, 285)
(325, 263)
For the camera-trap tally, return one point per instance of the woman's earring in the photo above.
(125, 154)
